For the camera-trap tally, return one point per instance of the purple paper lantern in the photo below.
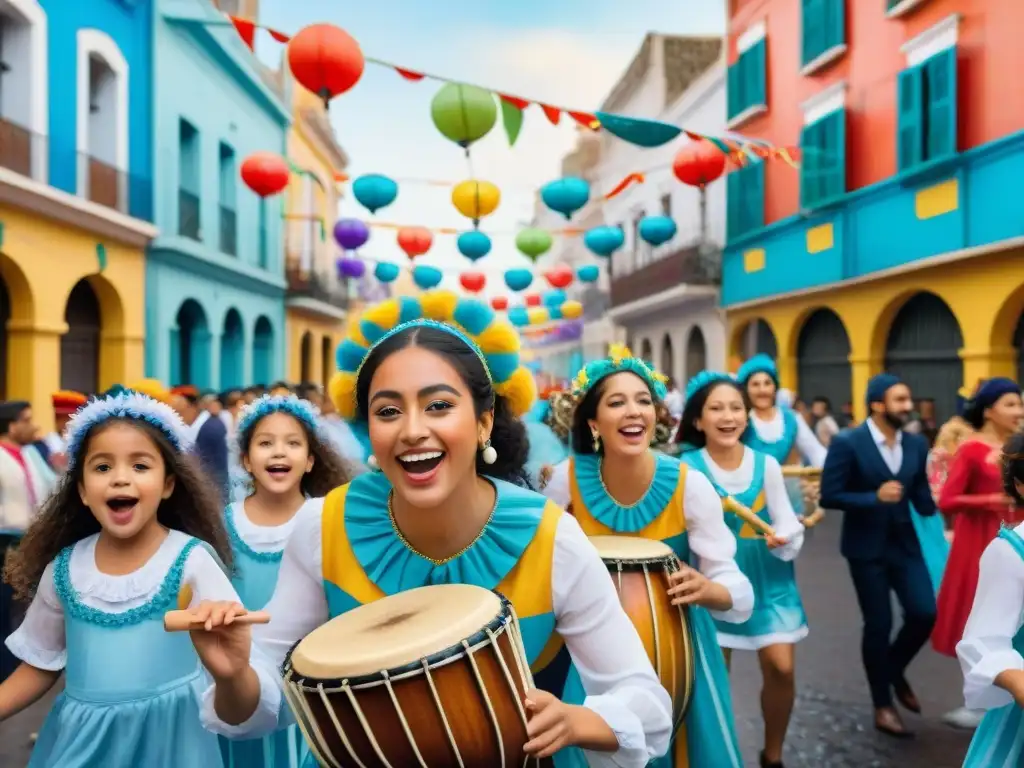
(353, 268)
(351, 234)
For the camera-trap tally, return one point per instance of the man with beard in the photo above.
(875, 473)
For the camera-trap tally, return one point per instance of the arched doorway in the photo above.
(646, 353)
(696, 352)
(1018, 344)
(232, 351)
(263, 352)
(923, 349)
(305, 358)
(190, 347)
(5, 316)
(758, 338)
(668, 363)
(326, 360)
(823, 359)
(80, 346)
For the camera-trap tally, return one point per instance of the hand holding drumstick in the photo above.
(221, 633)
(755, 522)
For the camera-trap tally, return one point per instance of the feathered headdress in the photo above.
(619, 360)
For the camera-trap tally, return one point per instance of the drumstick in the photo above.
(185, 621)
(794, 471)
(814, 518)
(749, 517)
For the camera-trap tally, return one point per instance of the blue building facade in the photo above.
(214, 277)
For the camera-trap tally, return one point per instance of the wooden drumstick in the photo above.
(814, 518)
(185, 621)
(794, 471)
(747, 516)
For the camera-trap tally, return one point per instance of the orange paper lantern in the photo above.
(415, 241)
(699, 163)
(265, 173)
(326, 60)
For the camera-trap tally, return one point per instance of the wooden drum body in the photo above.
(431, 677)
(640, 568)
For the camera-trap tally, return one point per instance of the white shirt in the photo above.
(986, 648)
(892, 455)
(261, 538)
(709, 537)
(807, 444)
(605, 647)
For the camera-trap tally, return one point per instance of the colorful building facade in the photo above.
(214, 278)
(898, 243)
(76, 185)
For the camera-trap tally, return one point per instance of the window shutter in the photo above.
(755, 75)
(909, 131)
(940, 74)
(753, 197)
(735, 89)
(835, 23)
(732, 208)
(835, 181)
(808, 166)
(813, 29)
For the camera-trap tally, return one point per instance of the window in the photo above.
(228, 218)
(926, 108)
(747, 89)
(24, 105)
(823, 160)
(102, 120)
(824, 33)
(745, 200)
(188, 180)
(641, 250)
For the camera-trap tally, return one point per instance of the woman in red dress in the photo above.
(973, 495)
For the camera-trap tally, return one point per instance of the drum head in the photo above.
(395, 631)
(630, 548)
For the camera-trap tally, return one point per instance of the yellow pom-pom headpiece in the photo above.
(492, 339)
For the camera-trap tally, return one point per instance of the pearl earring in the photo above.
(372, 462)
(488, 454)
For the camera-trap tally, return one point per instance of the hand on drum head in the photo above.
(688, 586)
(223, 646)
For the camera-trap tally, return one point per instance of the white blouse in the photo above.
(986, 648)
(806, 443)
(784, 520)
(605, 647)
(262, 538)
(709, 538)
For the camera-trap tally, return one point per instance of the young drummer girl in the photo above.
(286, 461)
(127, 536)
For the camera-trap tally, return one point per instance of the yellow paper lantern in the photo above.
(475, 199)
(537, 315)
(571, 310)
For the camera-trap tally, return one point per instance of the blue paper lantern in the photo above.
(473, 245)
(386, 272)
(374, 191)
(426, 277)
(588, 273)
(555, 313)
(553, 298)
(518, 316)
(604, 241)
(566, 196)
(518, 279)
(657, 230)
(642, 133)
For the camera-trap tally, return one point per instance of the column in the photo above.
(984, 363)
(121, 359)
(33, 365)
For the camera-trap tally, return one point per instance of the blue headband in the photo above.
(706, 379)
(759, 363)
(878, 385)
(993, 389)
(303, 410)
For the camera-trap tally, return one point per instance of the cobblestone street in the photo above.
(832, 725)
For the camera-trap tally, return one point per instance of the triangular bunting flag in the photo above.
(587, 121)
(515, 101)
(512, 119)
(553, 114)
(246, 30)
(408, 74)
(280, 37)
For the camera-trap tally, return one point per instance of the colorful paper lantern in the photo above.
(415, 241)
(657, 230)
(588, 273)
(475, 199)
(265, 173)
(373, 191)
(533, 243)
(326, 60)
(463, 113)
(499, 303)
(642, 133)
(553, 298)
(386, 272)
(538, 315)
(604, 241)
(351, 234)
(559, 277)
(350, 267)
(518, 316)
(566, 195)
(426, 277)
(518, 279)
(473, 282)
(473, 245)
(571, 310)
(699, 163)
(532, 299)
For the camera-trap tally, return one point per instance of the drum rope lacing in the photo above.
(432, 560)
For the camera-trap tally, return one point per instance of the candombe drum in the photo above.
(433, 677)
(640, 569)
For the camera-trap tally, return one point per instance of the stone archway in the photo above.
(696, 352)
(668, 363)
(263, 351)
(823, 359)
(190, 346)
(80, 345)
(305, 358)
(757, 337)
(646, 353)
(232, 351)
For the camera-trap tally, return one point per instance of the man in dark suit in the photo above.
(210, 435)
(874, 473)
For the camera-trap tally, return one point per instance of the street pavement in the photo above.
(832, 723)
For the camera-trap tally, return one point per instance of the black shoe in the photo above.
(766, 764)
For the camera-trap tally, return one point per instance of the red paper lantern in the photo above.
(559, 277)
(265, 173)
(415, 241)
(473, 281)
(499, 303)
(326, 60)
(532, 299)
(699, 163)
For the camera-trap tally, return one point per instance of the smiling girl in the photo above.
(132, 531)
(287, 461)
(713, 423)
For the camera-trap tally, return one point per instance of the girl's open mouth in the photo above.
(278, 470)
(633, 432)
(122, 508)
(422, 466)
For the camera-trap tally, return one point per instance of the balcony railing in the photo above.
(310, 285)
(690, 264)
(16, 150)
(188, 214)
(228, 231)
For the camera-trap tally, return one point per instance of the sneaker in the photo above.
(963, 718)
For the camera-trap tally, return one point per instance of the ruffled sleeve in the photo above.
(618, 678)
(40, 641)
(987, 647)
(784, 520)
(557, 487)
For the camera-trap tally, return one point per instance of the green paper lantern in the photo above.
(533, 242)
(463, 113)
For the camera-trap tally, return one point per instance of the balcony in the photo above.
(689, 264)
(188, 214)
(306, 284)
(229, 231)
(16, 148)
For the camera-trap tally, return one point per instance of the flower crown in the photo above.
(619, 359)
(493, 340)
(759, 363)
(120, 403)
(303, 410)
(705, 379)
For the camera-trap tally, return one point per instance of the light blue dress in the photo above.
(780, 450)
(778, 615)
(131, 692)
(255, 579)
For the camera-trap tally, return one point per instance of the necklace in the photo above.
(435, 561)
(600, 477)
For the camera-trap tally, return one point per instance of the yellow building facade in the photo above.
(984, 293)
(317, 303)
(74, 278)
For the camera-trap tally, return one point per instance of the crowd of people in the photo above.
(429, 461)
